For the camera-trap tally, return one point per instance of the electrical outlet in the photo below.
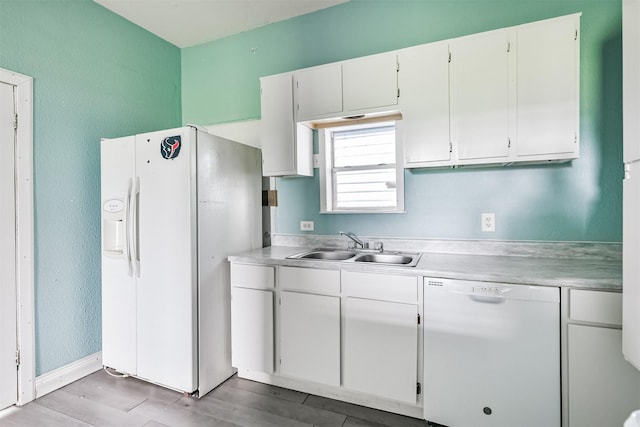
(488, 222)
(306, 225)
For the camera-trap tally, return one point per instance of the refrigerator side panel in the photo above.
(229, 221)
(118, 285)
(166, 249)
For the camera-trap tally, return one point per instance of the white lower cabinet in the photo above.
(309, 332)
(252, 332)
(252, 329)
(602, 388)
(310, 337)
(341, 334)
(380, 350)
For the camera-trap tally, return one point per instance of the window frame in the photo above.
(327, 186)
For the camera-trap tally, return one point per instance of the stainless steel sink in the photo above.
(403, 259)
(408, 260)
(325, 254)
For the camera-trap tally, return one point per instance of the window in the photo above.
(359, 171)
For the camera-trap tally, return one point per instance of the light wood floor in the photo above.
(101, 400)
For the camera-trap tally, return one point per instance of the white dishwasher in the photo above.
(491, 354)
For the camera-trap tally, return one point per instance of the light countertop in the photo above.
(576, 273)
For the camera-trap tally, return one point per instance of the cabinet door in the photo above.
(381, 348)
(318, 92)
(424, 87)
(370, 82)
(548, 88)
(480, 97)
(276, 126)
(603, 388)
(286, 146)
(252, 329)
(310, 337)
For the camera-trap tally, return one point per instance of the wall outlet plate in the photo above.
(488, 222)
(306, 225)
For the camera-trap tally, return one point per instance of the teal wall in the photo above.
(95, 75)
(579, 201)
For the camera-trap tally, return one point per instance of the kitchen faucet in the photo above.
(356, 241)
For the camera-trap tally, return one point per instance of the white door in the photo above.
(310, 337)
(276, 126)
(424, 87)
(117, 164)
(252, 329)
(165, 247)
(370, 82)
(318, 92)
(480, 96)
(381, 348)
(547, 89)
(8, 342)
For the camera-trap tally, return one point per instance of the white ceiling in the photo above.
(189, 22)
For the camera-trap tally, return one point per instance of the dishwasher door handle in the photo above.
(487, 299)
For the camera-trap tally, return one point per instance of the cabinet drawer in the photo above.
(310, 280)
(595, 306)
(252, 276)
(380, 286)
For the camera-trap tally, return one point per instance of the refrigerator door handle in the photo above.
(127, 239)
(135, 231)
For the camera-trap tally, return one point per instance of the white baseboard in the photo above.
(67, 374)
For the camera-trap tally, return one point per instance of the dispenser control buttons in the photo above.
(113, 206)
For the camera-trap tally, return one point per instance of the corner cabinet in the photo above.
(287, 146)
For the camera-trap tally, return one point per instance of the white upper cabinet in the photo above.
(480, 97)
(318, 92)
(424, 84)
(631, 79)
(370, 82)
(548, 89)
(286, 146)
(353, 87)
(500, 97)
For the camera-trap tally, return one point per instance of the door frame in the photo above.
(24, 233)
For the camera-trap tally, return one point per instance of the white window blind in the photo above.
(363, 167)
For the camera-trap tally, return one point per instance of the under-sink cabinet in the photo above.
(346, 335)
(310, 324)
(381, 334)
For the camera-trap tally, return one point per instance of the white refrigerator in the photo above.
(175, 204)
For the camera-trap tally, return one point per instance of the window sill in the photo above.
(367, 211)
